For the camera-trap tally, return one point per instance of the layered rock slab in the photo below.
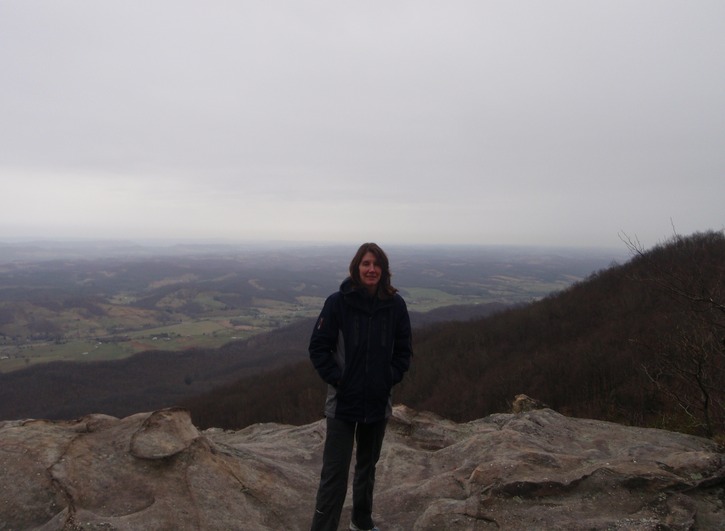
(534, 470)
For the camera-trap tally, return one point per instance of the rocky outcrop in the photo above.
(533, 470)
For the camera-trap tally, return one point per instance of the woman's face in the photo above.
(370, 272)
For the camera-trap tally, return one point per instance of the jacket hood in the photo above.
(347, 286)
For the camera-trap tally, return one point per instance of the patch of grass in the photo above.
(425, 299)
(73, 350)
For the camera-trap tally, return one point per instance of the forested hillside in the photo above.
(641, 343)
(157, 379)
(143, 382)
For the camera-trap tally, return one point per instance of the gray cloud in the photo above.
(557, 122)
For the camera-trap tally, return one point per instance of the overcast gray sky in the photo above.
(493, 122)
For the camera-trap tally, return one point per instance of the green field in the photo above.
(125, 332)
(88, 340)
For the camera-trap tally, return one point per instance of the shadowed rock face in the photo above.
(534, 470)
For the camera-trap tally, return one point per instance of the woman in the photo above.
(360, 346)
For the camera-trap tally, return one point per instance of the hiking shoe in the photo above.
(353, 527)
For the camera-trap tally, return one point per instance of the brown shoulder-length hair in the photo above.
(385, 288)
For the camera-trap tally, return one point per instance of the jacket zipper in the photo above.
(367, 364)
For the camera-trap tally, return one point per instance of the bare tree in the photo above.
(688, 364)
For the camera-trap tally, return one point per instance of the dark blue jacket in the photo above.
(361, 346)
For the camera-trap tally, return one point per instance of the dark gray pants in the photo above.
(335, 469)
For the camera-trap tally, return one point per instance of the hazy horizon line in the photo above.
(229, 242)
